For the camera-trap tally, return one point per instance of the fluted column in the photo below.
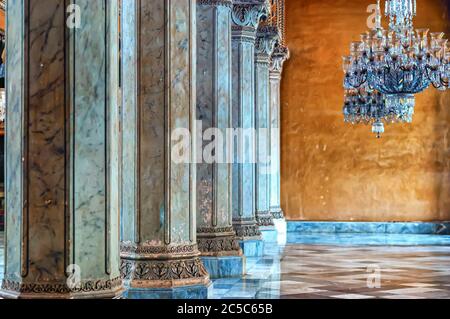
(265, 41)
(217, 241)
(62, 151)
(246, 15)
(159, 252)
(279, 56)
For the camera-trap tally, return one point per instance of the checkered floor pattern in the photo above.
(345, 272)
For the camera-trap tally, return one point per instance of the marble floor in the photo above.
(347, 266)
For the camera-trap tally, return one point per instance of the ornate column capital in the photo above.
(266, 38)
(280, 55)
(246, 14)
(225, 3)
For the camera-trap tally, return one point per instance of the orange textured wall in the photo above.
(333, 171)
(2, 20)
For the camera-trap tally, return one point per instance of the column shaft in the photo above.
(62, 151)
(159, 243)
(246, 15)
(279, 56)
(216, 236)
(214, 111)
(265, 41)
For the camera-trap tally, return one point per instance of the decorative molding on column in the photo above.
(147, 250)
(164, 273)
(266, 38)
(247, 229)
(280, 55)
(219, 246)
(216, 242)
(55, 289)
(246, 16)
(277, 214)
(226, 3)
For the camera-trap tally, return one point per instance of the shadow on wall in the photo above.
(333, 171)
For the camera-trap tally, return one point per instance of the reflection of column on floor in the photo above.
(62, 158)
(217, 241)
(279, 56)
(246, 16)
(159, 253)
(265, 40)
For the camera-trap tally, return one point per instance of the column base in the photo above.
(252, 248)
(169, 272)
(187, 292)
(101, 289)
(247, 230)
(264, 219)
(277, 213)
(225, 266)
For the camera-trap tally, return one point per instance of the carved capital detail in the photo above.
(280, 55)
(248, 13)
(266, 38)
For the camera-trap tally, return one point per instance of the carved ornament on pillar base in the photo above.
(148, 250)
(155, 274)
(266, 38)
(218, 242)
(277, 213)
(107, 289)
(280, 55)
(149, 266)
(225, 3)
(264, 219)
(247, 231)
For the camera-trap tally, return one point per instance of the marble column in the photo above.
(265, 40)
(279, 56)
(159, 253)
(62, 196)
(246, 15)
(217, 241)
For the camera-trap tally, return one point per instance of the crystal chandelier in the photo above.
(394, 65)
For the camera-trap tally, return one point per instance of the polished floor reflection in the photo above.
(344, 266)
(348, 266)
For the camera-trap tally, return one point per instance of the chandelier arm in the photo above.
(441, 80)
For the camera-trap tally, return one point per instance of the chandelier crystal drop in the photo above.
(396, 64)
